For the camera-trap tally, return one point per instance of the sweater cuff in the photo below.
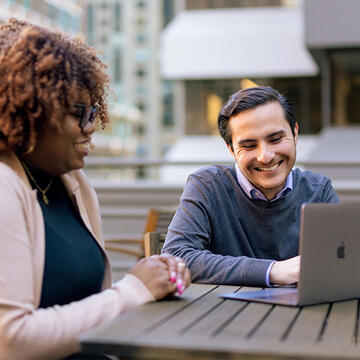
(136, 291)
(255, 272)
(267, 276)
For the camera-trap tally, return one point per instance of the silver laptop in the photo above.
(330, 258)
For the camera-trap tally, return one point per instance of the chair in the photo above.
(153, 243)
(158, 220)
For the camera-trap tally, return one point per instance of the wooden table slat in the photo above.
(308, 325)
(340, 327)
(189, 317)
(213, 324)
(276, 325)
(244, 323)
(132, 323)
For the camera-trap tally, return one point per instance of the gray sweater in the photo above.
(227, 238)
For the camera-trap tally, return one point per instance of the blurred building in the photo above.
(309, 50)
(332, 34)
(213, 48)
(62, 15)
(127, 32)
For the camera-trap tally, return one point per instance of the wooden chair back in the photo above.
(157, 221)
(153, 243)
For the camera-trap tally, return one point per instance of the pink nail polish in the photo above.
(180, 286)
(181, 289)
(173, 276)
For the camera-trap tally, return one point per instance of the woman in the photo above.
(54, 274)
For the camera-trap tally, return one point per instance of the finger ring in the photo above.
(181, 265)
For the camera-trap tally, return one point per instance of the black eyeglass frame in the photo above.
(88, 114)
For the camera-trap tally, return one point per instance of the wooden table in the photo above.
(200, 325)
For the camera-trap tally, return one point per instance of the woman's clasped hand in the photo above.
(163, 274)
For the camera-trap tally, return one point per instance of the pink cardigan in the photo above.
(25, 330)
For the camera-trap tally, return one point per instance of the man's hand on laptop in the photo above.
(285, 272)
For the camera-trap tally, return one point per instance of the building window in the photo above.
(141, 106)
(141, 38)
(27, 4)
(52, 12)
(64, 19)
(141, 4)
(168, 118)
(168, 104)
(90, 39)
(90, 18)
(140, 21)
(213, 106)
(141, 90)
(345, 89)
(117, 65)
(140, 129)
(117, 17)
(75, 23)
(201, 102)
(168, 9)
(140, 72)
(141, 55)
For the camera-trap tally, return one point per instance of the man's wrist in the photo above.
(267, 275)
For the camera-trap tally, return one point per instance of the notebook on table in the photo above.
(330, 258)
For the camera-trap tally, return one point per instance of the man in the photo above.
(240, 224)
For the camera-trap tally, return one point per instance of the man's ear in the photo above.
(296, 132)
(231, 150)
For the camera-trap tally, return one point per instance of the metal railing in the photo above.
(98, 162)
(133, 189)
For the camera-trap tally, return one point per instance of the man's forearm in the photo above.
(207, 267)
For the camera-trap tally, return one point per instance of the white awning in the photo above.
(235, 43)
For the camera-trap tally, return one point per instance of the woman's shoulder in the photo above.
(9, 177)
(77, 177)
(76, 180)
(11, 171)
(14, 192)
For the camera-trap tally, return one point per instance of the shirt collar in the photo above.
(253, 193)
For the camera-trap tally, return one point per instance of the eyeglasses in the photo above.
(86, 115)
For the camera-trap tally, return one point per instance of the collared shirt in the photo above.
(253, 193)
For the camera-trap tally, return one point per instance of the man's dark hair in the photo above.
(250, 98)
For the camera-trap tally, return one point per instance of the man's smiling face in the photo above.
(264, 146)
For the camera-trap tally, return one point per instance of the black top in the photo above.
(74, 264)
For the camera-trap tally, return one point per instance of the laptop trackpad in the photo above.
(282, 296)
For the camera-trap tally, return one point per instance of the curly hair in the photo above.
(42, 73)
